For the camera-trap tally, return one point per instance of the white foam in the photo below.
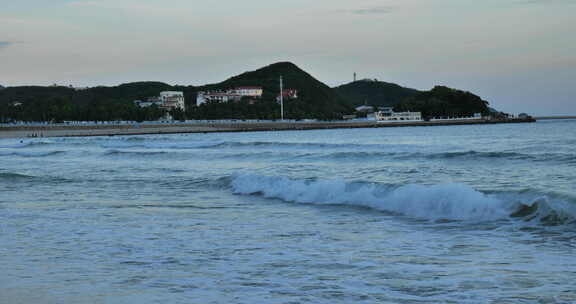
(445, 201)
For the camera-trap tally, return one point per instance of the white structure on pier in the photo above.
(388, 115)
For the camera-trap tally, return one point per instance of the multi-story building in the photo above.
(248, 91)
(168, 100)
(388, 115)
(216, 96)
(235, 94)
(172, 100)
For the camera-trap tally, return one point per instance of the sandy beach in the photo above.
(144, 129)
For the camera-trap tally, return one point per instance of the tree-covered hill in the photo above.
(315, 99)
(444, 101)
(375, 93)
(60, 103)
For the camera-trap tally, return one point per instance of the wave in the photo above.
(404, 155)
(476, 154)
(26, 145)
(252, 144)
(10, 176)
(140, 153)
(7, 177)
(467, 155)
(32, 154)
(561, 157)
(341, 151)
(182, 146)
(434, 202)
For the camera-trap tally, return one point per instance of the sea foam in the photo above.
(445, 201)
(434, 202)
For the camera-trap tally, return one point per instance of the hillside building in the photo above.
(248, 91)
(172, 100)
(168, 100)
(235, 94)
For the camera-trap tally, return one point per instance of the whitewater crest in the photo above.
(447, 201)
(434, 202)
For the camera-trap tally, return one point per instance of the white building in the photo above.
(248, 91)
(204, 97)
(390, 116)
(168, 100)
(172, 100)
(235, 94)
(475, 116)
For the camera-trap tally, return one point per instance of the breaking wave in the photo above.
(435, 202)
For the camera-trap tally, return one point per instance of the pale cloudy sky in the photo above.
(518, 54)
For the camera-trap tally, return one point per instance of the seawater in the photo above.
(461, 214)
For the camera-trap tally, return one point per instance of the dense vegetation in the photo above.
(375, 93)
(444, 102)
(58, 103)
(315, 99)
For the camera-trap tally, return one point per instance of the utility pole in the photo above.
(281, 100)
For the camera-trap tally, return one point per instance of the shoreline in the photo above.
(220, 127)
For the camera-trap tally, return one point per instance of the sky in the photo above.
(520, 55)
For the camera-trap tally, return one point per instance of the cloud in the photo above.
(379, 10)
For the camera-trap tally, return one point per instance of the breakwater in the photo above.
(219, 126)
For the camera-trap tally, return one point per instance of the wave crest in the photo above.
(434, 202)
(32, 154)
(448, 201)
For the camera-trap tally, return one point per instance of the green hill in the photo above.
(375, 93)
(315, 99)
(60, 103)
(444, 101)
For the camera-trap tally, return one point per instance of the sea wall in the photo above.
(219, 126)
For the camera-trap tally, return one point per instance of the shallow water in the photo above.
(466, 214)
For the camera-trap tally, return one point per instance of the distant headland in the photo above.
(278, 92)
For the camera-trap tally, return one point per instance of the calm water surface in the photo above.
(468, 214)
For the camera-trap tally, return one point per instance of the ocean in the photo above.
(446, 214)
